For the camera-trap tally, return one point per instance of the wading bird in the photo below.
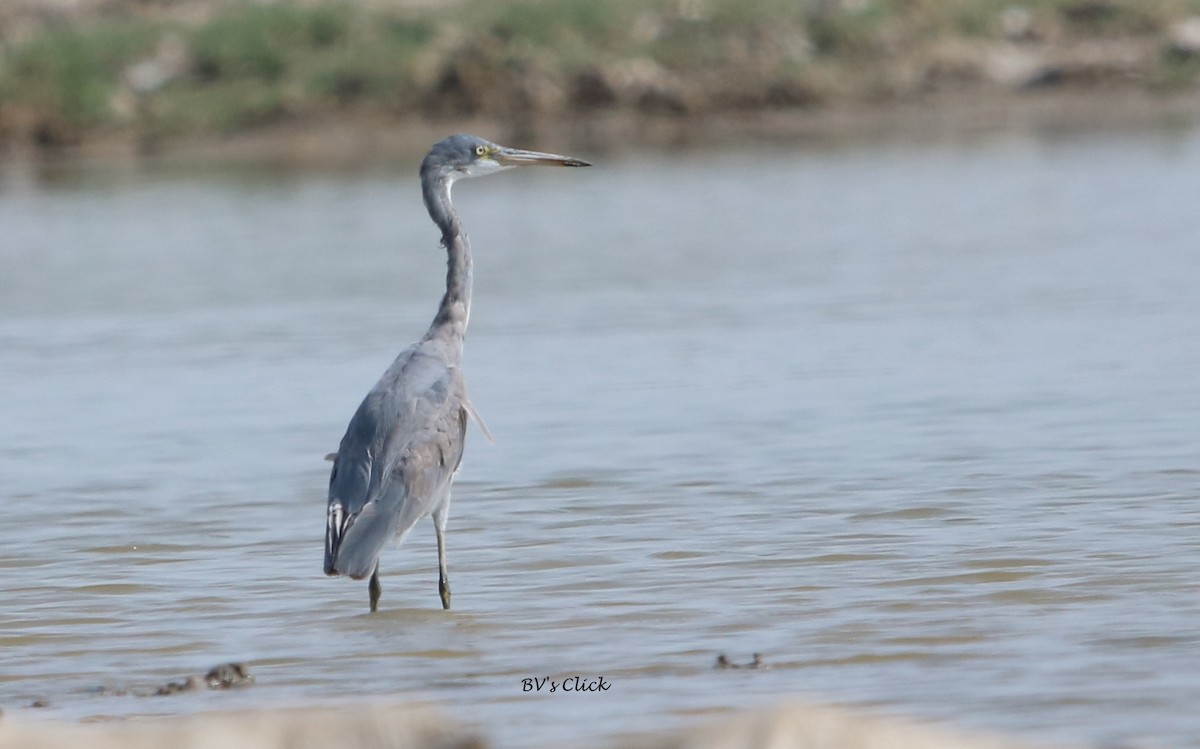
(404, 443)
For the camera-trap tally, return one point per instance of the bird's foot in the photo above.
(374, 590)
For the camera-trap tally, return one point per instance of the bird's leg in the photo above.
(444, 589)
(374, 589)
(439, 526)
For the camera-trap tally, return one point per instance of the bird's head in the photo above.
(460, 156)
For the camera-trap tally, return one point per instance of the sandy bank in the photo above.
(794, 726)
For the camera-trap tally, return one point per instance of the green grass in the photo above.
(545, 23)
(264, 41)
(73, 73)
(848, 33)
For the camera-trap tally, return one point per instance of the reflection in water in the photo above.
(917, 425)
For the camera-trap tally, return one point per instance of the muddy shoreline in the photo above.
(364, 141)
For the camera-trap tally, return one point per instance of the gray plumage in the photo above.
(404, 444)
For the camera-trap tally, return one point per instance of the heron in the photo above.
(404, 444)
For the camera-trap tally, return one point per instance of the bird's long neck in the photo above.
(455, 309)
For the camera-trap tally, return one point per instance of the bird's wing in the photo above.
(422, 469)
(395, 462)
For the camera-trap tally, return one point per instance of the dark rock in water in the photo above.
(190, 684)
(227, 676)
(756, 663)
(224, 676)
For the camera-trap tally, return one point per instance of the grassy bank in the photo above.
(153, 71)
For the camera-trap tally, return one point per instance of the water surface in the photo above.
(916, 422)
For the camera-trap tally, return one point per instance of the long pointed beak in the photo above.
(517, 157)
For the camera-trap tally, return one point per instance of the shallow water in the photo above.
(916, 422)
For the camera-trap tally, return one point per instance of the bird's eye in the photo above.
(480, 150)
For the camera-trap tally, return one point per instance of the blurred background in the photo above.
(868, 346)
(146, 73)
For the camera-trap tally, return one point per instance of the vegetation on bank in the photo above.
(242, 65)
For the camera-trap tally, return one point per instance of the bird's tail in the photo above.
(335, 528)
(353, 542)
